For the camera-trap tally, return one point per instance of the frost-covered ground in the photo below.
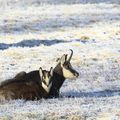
(35, 33)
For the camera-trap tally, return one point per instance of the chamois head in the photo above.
(67, 69)
(46, 78)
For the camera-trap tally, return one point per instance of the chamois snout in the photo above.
(76, 74)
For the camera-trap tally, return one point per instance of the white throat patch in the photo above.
(47, 88)
(68, 74)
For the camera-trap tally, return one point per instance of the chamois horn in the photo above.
(70, 55)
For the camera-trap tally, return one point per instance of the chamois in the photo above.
(27, 87)
(62, 71)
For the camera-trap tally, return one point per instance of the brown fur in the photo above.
(24, 86)
(20, 74)
(22, 90)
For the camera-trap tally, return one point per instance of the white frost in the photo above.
(34, 33)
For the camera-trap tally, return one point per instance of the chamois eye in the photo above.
(67, 66)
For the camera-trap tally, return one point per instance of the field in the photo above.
(34, 33)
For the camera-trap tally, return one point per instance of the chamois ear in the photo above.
(63, 59)
(40, 72)
(51, 71)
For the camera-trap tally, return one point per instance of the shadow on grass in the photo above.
(34, 43)
(31, 43)
(104, 93)
(69, 2)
